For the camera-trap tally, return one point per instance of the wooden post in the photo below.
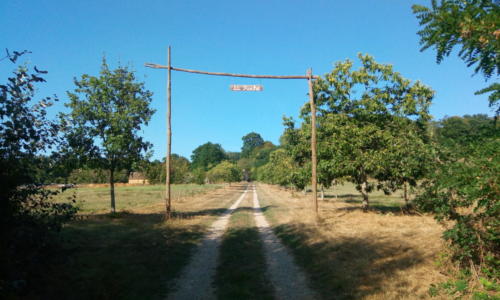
(308, 76)
(169, 137)
(313, 142)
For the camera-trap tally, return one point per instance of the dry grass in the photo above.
(354, 255)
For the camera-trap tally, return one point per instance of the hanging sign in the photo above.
(246, 87)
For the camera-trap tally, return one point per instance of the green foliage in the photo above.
(250, 142)
(107, 113)
(179, 170)
(198, 176)
(465, 191)
(224, 172)
(258, 157)
(367, 120)
(277, 170)
(206, 156)
(453, 133)
(28, 216)
(94, 175)
(472, 25)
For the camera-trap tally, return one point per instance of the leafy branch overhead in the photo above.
(473, 25)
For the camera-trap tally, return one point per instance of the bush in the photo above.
(28, 217)
(466, 191)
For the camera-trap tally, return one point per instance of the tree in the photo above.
(363, 115)
(206, 156)
(456, 133)
(107, 113)
(156, 173)
(28, 217)
(278, 169)
(224, 172)
(233, 156)
(473, 25)
(466, 192)
(250, 142)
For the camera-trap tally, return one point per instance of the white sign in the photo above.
(246, 87)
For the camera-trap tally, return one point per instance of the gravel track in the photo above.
(288, 280)
(195, 281)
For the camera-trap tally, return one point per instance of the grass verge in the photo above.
(241, 273)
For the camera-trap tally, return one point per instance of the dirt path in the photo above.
(195, 281)
(288, 280)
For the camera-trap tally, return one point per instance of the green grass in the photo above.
(347, 192)
(128, 255)
(241, 271)
(91, 200)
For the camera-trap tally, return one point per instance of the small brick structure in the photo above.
(137, 178)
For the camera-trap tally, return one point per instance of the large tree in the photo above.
(107, 114)
(365, 115)
(156, 173)
(224, 172)
(207, 156)
(250, 142)
(472, 25)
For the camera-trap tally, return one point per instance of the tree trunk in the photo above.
(112, 189)
(366, 203)
(322, 193)
(405, 188)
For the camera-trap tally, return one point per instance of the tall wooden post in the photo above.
(313, 142)
(169, 137)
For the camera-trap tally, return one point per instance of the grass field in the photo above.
(142, 198)
(134, 253)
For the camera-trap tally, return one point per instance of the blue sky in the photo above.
(68, 38)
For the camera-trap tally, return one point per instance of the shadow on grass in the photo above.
(241, 273)
(377, 208)
(348, 268)
(213, 212)
(343, 196)
(120, 256)
(375, 205)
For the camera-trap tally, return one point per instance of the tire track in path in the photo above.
(287, 278)
(195, 281)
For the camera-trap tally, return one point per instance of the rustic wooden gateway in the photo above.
(309, 77)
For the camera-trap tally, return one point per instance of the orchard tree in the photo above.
(250, 142)
(278, 169)
(224, 172)
(364, 115)
(472, 25)
(107, 114)
(409, 158)
(206, 156)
